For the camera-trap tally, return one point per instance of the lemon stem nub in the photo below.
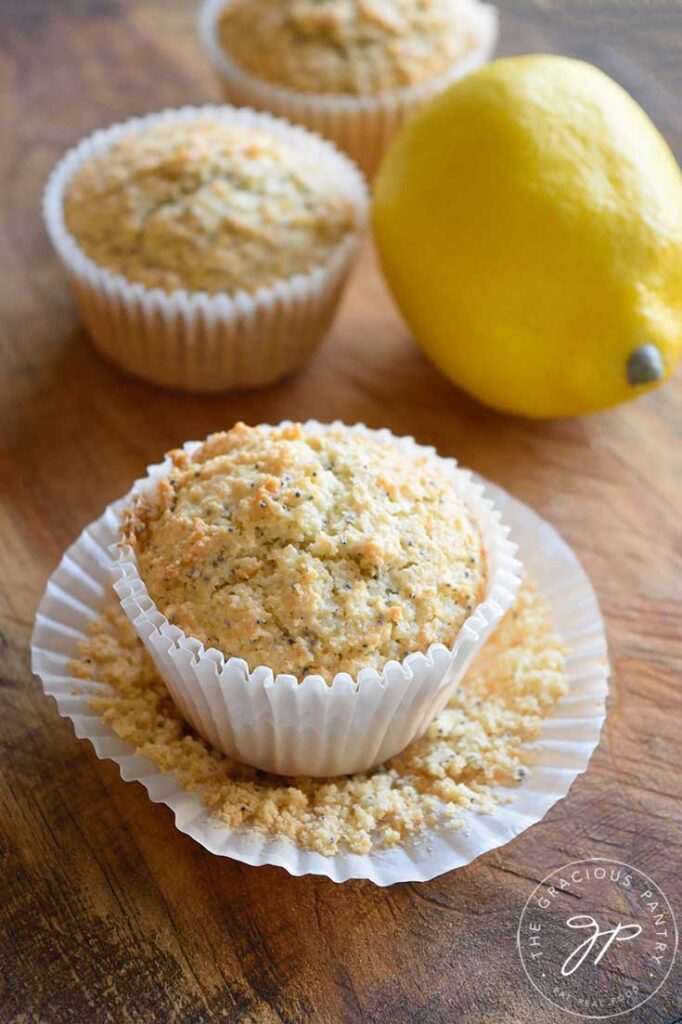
(645, 365)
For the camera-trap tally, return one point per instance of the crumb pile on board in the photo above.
(475, 745)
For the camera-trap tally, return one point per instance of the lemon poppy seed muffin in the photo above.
(356, 47)
(308, 550)
(205, 206)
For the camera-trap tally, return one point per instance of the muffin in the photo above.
(311, 593)
(351, 69)
(207, 248)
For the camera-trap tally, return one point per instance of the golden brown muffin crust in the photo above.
(309, 550)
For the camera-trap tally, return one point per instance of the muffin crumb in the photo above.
(475, 745)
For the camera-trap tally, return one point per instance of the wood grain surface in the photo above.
(107, 913)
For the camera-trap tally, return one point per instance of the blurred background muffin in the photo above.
(207, 248)
(350, 69)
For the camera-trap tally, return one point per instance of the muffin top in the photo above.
(206, 206)
(358, 47)
(309, 551)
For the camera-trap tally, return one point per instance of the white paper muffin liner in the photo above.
(80, 589)
(313, 728)
(192, 340)
(363, 126)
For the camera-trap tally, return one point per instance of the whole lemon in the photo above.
(529, 223)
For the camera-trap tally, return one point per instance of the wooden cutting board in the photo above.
(107, 913)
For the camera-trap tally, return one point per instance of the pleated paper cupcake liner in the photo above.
(80, 590)
(363, 126)
(192, 340)
(311, 727)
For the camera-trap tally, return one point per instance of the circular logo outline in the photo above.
(629, 1009)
